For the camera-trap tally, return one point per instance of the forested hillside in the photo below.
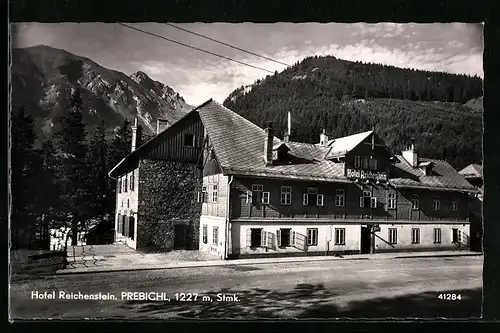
(345, 97)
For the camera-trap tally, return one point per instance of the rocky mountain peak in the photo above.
(43, 78)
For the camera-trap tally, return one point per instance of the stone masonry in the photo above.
(167, 195)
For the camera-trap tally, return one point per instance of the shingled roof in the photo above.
(472, 171)
(239, 147)
(443, 176)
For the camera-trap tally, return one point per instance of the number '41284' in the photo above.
(450, 297)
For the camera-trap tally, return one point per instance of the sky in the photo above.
(197, 76)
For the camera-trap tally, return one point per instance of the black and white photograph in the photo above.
(246, 170)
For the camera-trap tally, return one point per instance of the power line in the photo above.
(226, 44)
(195, 48)
(266, 70)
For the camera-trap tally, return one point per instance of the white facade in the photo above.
(127, 204)
(321, 238)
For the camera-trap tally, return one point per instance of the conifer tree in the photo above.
(97, 160)
(74, 173)
(22, 171)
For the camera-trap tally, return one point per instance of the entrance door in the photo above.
(366, 240)
(180, 236)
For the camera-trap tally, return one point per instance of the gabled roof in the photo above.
(472, 171)
(443, 176)
(341, 146)
(239, 147)
(130, 161)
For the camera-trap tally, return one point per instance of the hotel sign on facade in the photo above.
(366, 174)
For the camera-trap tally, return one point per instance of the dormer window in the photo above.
(189, 140)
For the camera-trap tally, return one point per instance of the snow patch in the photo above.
(299, 77)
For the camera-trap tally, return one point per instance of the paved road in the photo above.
(328, 289)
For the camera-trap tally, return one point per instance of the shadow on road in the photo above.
(311, 301)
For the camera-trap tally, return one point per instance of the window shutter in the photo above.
(249, 237)
(361, 202)
(293, 238)
(373, 202)
(132, 226)
(278, 237)
(263, 238)
(305, 199)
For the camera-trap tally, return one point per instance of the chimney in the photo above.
(268, 144)
(410, 154)
(161, 125)
(289, 128)
(323, 138)
(136, 135)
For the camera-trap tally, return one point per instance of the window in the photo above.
(257, 187)
(367, 201)
(286, 195)
(373, 163)
(365, 162)
(122, 202)
(311, 197)
(312, 190)
(257, 237)
(340, 198)
(312, 236)
(202, 196)
(205, 234)
(357, 162)
(319, 200)
(266, 198)
(414, 202)
(257, 193)
(132, 181)
(339, 236)
(215, 236)
(283, 237)
(415, 236)
(437, 235)
(454, 205)
(393, 236)
(128, 203)
(120, 185)
(189, 140)
(214, 193)
(436, 204)
(125, 185)
(391, 200)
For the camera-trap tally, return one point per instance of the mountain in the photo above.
(42, 78)
(442, 112)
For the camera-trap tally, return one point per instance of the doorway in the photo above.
(366, 239)
(285, 237)
(180, 236)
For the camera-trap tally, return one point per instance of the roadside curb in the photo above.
(256, 262)
(441, 256)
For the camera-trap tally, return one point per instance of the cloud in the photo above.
(455, 48)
